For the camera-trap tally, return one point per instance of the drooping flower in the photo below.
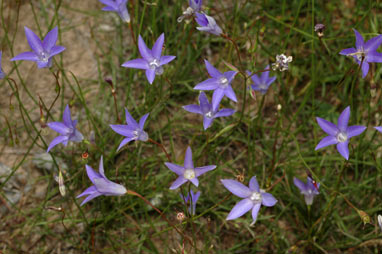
(191, 201)
(42, 51)
(253, 198)
(263, 82)
(187, 172)
(282, 62)
(67, 130)
(118, 6)
(207, 111)
(101, 185)
(339, 134)
(365, 50)
(207, 24)
(2, 74)
(152, 61)
(380, 221)
(132, 131)
(308, 189)
(220, 83)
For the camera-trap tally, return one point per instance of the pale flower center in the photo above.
(141, 135)
(189, 174)
(154, 65)
(255, 197)
(341, 137)
(209, 114)
(223, 81)
(44, 57)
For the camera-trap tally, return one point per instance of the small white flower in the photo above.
(282, 62)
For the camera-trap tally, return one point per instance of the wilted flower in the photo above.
(253, 198)
(101, 185)
(132, 131)
(319, 29)
(220, 83)
(308, 189)
(118, 6)
(207, 24)
(263, 82)
(67, 129)
(195, 6)
(42, 51)
(2, 74)
(191, 201)
(152, 60)
(61, 185)
(380, 221)
(187, 172)
(207, 111)
(339, 134)
(365, 53)
(282, 62)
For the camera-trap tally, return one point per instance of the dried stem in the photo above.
(110, 82)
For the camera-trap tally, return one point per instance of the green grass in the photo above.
(275, 145)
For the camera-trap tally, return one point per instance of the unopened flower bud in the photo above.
(364, 217)
(61, 185)
(180, 216)
(85, 155)
(319, 29)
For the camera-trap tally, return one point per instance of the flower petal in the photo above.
(125, 141)
(270, 80)
(165, 60)
(348, 51)
(209, 84)
(230, 93)
(110, 3)
(195, 181)
(230, 75)
(144, 50)
(100, 168)
(136, 64)
(201, 170)
(374, 43)
(326, 126)
(236, 188)
(91, 190)
(207, 122)
(253, 184)
(240, 209)
(92, 174)
(327, 141)
(225, 112)
(299, 184)
(130, 120)
(109, 188)
(56, 50)
(343, 119)
(124, 130)
(193, 108)
(158, 45)
(215, 73)
(177, 169)
(268, 199)
(355, 130)
(188, 163)
(66, 118)
(255, 212)
(374, 57)
(50, 39)
(90, 197)
(217, 96)
(56, 141)
(178, 182)
(205, 106)
(142, 121)
(27, 56)
(378, 128)
(365, 69)
(33, 41)
(359, 43)
(343, 149)
(59, 127)
(150, 74)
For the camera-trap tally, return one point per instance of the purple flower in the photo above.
(366, 51)
(118, 6)
(253, 198)
(378, 128)
(207, 111)
(101, 185)
(207, 24)
(196, 5)
(191, 201)
(67, 129)
(2, 74)
(152, 60)
(42, 51)
(220, 83)
(339, 134)
(187, 172)
(308, 189)
(132, 131)
(263, 82)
